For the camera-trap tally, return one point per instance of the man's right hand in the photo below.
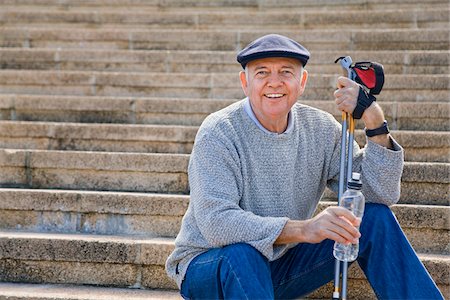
(334, 223)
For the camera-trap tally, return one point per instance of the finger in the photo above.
(343, 82)
(333, 221)
(340, 91)
(337, 93)
(346, 214)
(336, 237)
(344, 106)
(346, 229)
(343, 212)
(340, 235)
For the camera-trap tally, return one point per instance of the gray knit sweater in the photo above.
(245, 183)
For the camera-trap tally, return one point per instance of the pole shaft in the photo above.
(344, 280)
(351, 138)
(337, 265)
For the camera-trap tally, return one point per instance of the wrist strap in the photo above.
(383, 129)
(364, 101)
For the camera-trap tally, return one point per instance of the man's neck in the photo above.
(274, 126)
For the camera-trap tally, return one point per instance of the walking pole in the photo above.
(370, 75)
(351, 138)
(345, 63)
(337, 265)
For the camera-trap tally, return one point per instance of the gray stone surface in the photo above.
(219, 20)
(173, 62)
(214, 85)
(427, 146)
(315, 39)
(146, 271)
(179, 111)
(16, 291)
(405, 62)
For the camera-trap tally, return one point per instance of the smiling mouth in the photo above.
(274, 96)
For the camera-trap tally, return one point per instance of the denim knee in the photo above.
(379, 225)
(240, 250)
(377, 214)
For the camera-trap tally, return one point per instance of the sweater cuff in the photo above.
(383, 152)
(268, 247)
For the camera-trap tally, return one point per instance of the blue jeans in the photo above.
(239, 271)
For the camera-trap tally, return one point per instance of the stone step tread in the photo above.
(42, 252)
(319, 57)
(153, 204)
(432, 110)
(192, 80)
(26, 291)
(123, 203)
(232, 9)
(170, 133)
(112, 161)
(406, 17)
(137, 8)
(175, 61)
(152, 250)
(221, 39)
(426, 146)
(432, 88)
(205, 3)
(159, 215)
(337, 35)
(436, 172)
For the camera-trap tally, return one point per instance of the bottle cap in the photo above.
(355, 183)
(356, 176)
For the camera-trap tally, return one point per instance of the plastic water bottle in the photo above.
(352, 200)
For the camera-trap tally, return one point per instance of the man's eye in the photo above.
(261, 73)
(287, 72)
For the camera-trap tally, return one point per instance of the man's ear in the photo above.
(244, 83)
(303, 82)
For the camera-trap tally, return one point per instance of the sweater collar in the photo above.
(248, 109)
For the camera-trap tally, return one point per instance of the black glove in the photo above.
(364, 101)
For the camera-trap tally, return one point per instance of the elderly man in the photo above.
(257, 171)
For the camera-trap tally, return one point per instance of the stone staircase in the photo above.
(100, 102)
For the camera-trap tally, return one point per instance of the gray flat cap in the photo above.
(273, 45)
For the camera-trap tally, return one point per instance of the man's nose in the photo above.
(274, 80)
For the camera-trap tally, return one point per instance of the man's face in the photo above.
(273, 87)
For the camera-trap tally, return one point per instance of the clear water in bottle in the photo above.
(353, 200)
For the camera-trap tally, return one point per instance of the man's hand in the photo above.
(346, 97)
(335, 223)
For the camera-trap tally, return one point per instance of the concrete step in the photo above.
(321, 62)
(159, 215)
(120, 261)
(425, 183)
(66, 211)
(427, 116)
(399, 18)
(124, 261)
(233, 5)
(178, 39)
(429, 88)
(431, 146)
(97, 137)
(26, 291)
(94, 170)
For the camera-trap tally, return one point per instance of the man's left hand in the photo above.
(346, 97)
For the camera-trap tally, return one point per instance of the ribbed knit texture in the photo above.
(245, 183)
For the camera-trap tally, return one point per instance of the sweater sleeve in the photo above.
(216, 184)
(381, 169)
